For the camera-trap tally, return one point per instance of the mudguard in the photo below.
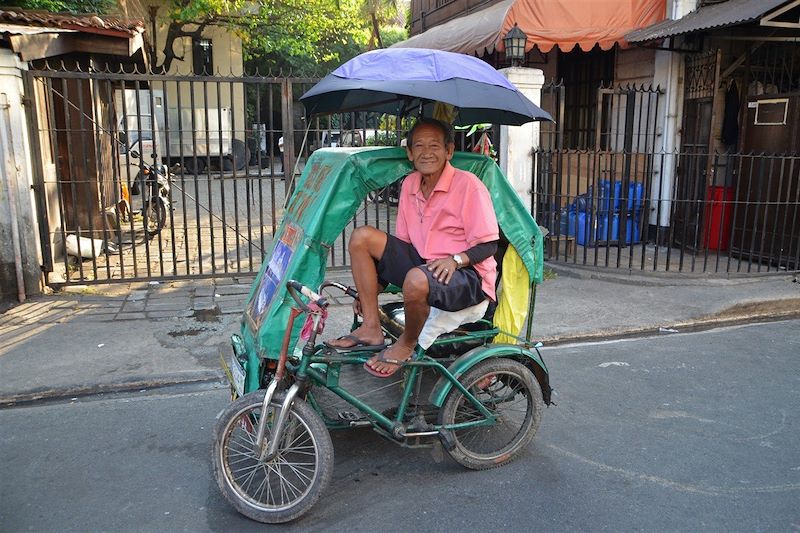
(460, 366)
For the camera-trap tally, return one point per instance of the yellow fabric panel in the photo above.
(512, 305)
(444, 112)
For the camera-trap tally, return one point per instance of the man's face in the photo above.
(428, 150)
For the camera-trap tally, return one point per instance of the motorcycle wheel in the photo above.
(155, 216)
(509, 390)
(284, 488)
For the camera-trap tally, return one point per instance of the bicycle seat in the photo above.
(456, 342)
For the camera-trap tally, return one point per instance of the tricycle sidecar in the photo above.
(483, 403)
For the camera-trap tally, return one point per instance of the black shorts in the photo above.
(399, 257)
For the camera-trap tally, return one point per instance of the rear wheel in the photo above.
(286, 487)
(510, 391)
(194, 165)
(155, 216)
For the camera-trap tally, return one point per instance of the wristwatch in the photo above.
(458, 260)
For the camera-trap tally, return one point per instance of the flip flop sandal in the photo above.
(358, 345)
(381, 358)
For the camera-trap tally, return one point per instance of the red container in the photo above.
(718, 216)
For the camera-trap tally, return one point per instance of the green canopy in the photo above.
(329, 193)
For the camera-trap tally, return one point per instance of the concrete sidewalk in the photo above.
(144, 335)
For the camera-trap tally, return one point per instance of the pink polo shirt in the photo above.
(457, 216)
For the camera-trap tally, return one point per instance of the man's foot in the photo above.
(358, 338)
(388, 361)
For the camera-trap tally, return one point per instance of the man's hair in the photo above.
(447, 130)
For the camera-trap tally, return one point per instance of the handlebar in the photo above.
(294, 286)
(350, 291)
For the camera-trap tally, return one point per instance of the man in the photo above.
(441, 256)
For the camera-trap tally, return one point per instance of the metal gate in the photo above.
(232, 146)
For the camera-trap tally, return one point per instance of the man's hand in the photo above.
(443, 269)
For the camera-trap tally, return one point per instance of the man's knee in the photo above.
(415, 285)
(367, 238)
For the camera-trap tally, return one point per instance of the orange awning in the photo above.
(547, 23)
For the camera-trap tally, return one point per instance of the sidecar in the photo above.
(330, 192)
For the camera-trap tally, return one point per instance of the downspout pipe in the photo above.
(11, 173)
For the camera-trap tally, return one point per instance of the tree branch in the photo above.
(174, 31)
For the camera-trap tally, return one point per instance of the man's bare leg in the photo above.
(415, 301)
(366, 246)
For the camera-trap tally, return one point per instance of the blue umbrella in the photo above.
(403, 80)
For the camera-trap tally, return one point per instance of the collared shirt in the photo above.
(456, 216)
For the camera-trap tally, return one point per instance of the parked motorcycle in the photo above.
(154, 180)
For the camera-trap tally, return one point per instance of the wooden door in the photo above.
(767, 223)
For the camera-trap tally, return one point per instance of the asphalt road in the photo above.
(686, 432)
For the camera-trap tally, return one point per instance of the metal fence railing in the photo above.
(682, 212)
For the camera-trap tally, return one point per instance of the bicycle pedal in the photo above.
(349, 416)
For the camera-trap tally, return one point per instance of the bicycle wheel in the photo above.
(284, 488)
(155, 216)
(510, 391)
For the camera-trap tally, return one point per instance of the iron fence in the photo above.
(663, 212)
(231, 147)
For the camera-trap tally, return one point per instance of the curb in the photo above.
(664, 279)
(51, 395)
(786, 310)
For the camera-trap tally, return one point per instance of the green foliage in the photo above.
(63, 6)
(309, 37)
(393, 34)
(383, 138)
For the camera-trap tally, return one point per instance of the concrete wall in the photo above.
(16, 185)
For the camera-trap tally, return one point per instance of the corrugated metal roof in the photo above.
(89, 23)
(730, 13)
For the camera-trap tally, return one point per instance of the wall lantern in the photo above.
(514, 42)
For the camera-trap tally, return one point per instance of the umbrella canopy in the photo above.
(399, 80)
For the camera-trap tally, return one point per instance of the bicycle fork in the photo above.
(267, 453)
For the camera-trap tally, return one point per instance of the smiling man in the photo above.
(442, 254)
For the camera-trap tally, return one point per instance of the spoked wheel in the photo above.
(155, 216)
(285, 487)
(510, 391)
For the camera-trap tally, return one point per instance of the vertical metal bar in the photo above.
(155, 163)
(182, 159)
(659, 206)
(747, 205)
(71, 168)
(144, 190)
(236, 177)
(209, 188)
(100, 130)
(765, 204)
(736, 203)
(91, 203)
(222, 174)
(166, 157)
(673, 207)
(783, 205)
(222, 171)
(776, 215)
(195, 165)
(115, 176)
(248, 177)
(129, 184)
(53, 133)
